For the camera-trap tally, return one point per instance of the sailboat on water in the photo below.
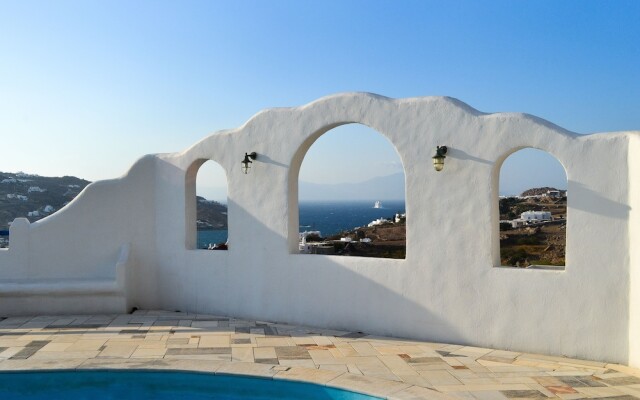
(378, 204)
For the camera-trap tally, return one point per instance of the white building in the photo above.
(379, 221)
(553, 194)
(536, 216)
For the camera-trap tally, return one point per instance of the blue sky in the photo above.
(88, 87)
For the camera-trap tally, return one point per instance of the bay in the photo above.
(328, 217)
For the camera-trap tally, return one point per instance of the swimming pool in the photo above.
(117, 384)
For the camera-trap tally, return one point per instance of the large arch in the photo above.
(294, 175)
(351, 177)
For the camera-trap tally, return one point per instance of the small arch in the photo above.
(531, 210)
(347, 170)
(206, 217)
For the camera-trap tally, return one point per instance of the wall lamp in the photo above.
(438, 159)
(246, 163)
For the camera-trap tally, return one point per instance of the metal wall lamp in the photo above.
(438, 159)
(246, 163)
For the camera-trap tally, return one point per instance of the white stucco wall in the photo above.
(449, 288)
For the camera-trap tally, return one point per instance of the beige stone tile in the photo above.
(303, 340)
(119, 341)
(10, 352)
(62, 355)
(474, 352)
(148, 352)
(364, 349)
(152, 345)
(414, 380)
(323, 357)
(397, 364)
(33, 337)
(335, 352)
(373, 386)
(10, 343)
(432, 367)
(570, 396)
(473, 388)
(118, 351)
(214, 341)
(516, 379)
(463, 395)
(211, 357)
(465, 373)
(437, 378)
(334, 367)
(31, 364)
(453, 361)
(346, 350)
(308, 375)
(490, 364)
(417, 393)
(264, 352)
(504, 354)
(274, 341)
(87, 345)
(353, 369)
(599, 391)
(322, 341)
(624, 369)
(484, 395)
(298, 363)
(244, 354)
(514, 368)
(569, 373)
(53, 346)
(114, 363)
(179, 346)
(608, 375)
(65, 338)
(631, 391)
(394, 350)
(478, 381)
(241, 368)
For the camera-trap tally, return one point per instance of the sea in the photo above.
(328, 217)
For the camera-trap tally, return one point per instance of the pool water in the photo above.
(114, 384)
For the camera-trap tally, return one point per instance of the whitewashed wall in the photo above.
(449, 288)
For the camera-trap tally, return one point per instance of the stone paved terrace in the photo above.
(387, 367)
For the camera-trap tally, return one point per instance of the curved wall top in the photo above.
(448, 288)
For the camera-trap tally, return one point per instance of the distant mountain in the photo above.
(390, 187)
(35, 197)
(211, 214)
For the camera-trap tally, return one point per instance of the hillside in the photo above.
(211, 214)
(35, 197)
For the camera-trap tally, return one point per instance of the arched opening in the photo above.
(533, 211)
(351, 195)
(206, 197)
